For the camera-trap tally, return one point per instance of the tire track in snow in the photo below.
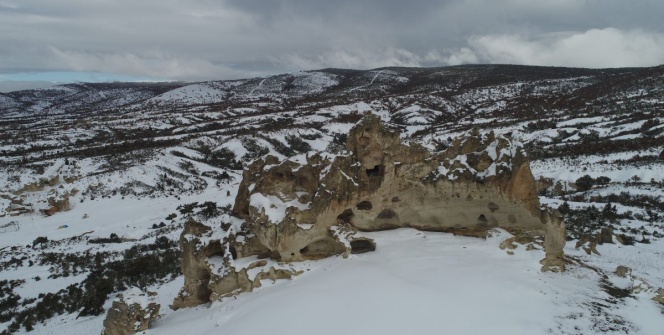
(257, 87)
(369, 84)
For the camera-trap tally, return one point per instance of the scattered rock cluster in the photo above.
(131, 312)
(640, 285)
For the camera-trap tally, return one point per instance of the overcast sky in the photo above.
(97, 40)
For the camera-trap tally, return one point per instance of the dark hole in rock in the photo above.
(364, 205)
(377, 171)
(395, 199)
(233, 252)
(321, 249)
(346, 216)
(482, 221)
(271, 254)
(214, 249)
(493, 207)
(472, 160)
(274, 254)
(386, 214)
(361, 246)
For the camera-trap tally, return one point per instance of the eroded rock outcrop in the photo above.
(480, 182)
(220, 263)
(310, 206)
(639, 285)
(61, 203)
(659, 297)
(132, 312)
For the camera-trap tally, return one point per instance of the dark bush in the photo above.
(187, 208)
(223, 158)
(209, 209)
(602, 180)
(298, 144)
(113, 238)
(340, 140)
(626, 239)
(584, 183)
(41, 240)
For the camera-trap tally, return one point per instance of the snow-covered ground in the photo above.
(415, 282)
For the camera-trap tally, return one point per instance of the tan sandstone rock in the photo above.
(623, 271)
(310, 206)
(61, 203)
(132, 312)
(210, 269)
(479, 183)
(659, 297)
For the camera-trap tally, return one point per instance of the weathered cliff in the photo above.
(310, 206)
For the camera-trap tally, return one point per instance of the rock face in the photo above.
(61, 203)
(623, 271)
(659, 297)
(131, 313)
(479, 183)
(219, 264)
(310, 206)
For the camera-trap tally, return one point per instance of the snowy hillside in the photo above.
(97, 180)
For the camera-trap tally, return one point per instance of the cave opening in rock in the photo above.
(233, 252)
(214, 249)
(345, 216)
(387, 214)
(364, 205)
(377, 171)
(482, 220)
(361, 246)
(321, 249)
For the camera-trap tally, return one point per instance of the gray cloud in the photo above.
(220, 39)
(595, 48)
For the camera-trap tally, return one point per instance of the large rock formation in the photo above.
(310, 206)
(132, 312)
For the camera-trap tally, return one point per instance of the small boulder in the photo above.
(508, 244)
(523, 239)
(61, 203)
(605, 236)
(659, 297)
(591, 249)
(131, 312)
(623, 271)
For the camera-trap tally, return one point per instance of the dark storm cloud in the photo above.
(214, 39)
